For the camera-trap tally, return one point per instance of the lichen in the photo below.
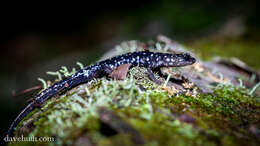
(228, 116)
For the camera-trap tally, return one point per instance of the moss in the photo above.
(169, 132)
(225, 117)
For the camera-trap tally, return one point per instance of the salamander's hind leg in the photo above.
(152, 77)
(120, 72)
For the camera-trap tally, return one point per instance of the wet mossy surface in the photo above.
(227, 116)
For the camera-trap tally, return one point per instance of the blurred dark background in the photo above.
(35, 38)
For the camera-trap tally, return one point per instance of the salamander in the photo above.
(147, 59)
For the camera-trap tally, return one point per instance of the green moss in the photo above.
(120, 139)
(221, 118)
(166, 131)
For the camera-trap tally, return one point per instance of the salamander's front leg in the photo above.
(172, 79)
(152, 77)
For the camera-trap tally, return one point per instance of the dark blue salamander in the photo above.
(149, 60)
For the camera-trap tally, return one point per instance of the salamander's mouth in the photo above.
(192, 60)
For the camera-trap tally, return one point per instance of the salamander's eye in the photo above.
(187, 56)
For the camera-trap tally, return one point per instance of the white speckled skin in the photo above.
(146, 59)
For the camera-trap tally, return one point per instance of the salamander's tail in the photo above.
(19, 118)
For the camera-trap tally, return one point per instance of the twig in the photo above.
(14, 94)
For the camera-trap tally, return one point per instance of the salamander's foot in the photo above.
(152, 77)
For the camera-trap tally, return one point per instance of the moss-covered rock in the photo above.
(136, 111)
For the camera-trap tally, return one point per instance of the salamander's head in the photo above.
(177, 60)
